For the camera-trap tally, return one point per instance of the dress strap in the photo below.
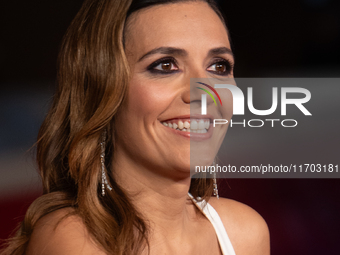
(214, 218)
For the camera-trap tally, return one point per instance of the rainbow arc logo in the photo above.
(209, 93)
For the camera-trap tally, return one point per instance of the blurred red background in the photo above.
(292, 38)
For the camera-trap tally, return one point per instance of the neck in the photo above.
(163, 201)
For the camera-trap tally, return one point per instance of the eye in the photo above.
(163, 66)
(221, 67)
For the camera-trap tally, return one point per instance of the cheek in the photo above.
(147, 100)
(227, 108)
(143, 100)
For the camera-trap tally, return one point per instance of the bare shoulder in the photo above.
(247, 230)
(57, 233)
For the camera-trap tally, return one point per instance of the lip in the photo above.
(191, 116)
(191, 135)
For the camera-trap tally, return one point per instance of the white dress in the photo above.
(214, 218)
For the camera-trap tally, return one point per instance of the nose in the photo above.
(191, 94)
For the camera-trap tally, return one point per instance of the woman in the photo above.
(116, 176)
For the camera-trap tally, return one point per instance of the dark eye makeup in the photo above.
(222, 66)
(168, 65)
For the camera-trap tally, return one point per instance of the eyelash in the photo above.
(229, 66)
(151, 68)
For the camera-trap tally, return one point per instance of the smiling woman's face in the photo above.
(166, 45)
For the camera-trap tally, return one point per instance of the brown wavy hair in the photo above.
(93, 76)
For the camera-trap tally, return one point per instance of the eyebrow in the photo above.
(220, 50)
(184, 53)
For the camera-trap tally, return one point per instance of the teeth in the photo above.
(195, 125)
(201, 124)
(199, 131)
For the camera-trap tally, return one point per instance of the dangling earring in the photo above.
(215, 183)
(102, 161)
